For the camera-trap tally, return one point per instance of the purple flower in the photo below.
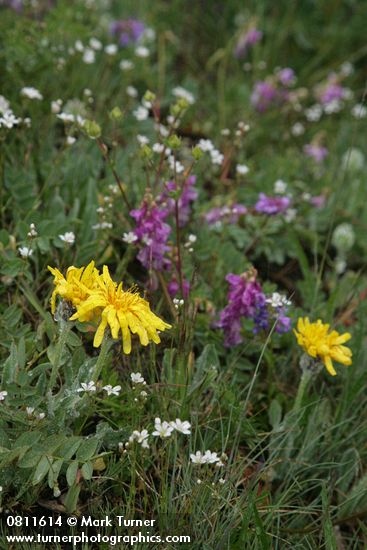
(286, 76)
(228, 214)
(272, 205)
(264, 95)
(318, 201)
(245, 300)
(152, 233)
(283, 322)
(174, 287)
(317, 152)
(188, 195)
(128, 31)
(246, 41)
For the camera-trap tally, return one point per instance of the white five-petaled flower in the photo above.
(207, 458)
(29, 411)
(3, 394)
(111, 49)
(142, 51)
(162, 429)
(205, 145)
(277, 300)
(141, 113)
(129, 237)
(95, 44)
(242, 169)
(8, 120)
(89, 56)
(131, 91)
(181, 92)
(137, 378)
(31, 93)
(25, 251)
(68, 237)
(112, 390)
(158, 147)
(140, 437)
(143, 140)
(198, 458)
(181, 426)
(280, 187)
(126, 65)
(216, 156)
(88, 387)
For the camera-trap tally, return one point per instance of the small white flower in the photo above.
(277, 300)
(359, 111)
(31, 93)
(280, 187)
(137, 378)
(95, 44)
(140, 437)
(297, 129)
(346, 68)
(102, 225)
(205, 145)
(66, 117)
(290, 215)
(141, 113)
(56, 106)
(211, 458)
(198, 458)
(3, 394)
(164, 132)
(162, 429)
(142, 51)
(158, 147)
(333, 106)
(143, 140)
(40, 416)
(143, 394)
(126, 65)
(79, 46)
(87, 387)
(25, 251)
(111, 49)
(4, 104)
(183, 427)
(32, 231)
(216, 156)
(112, 390)
(68, 237)
(181, 92)
(129, 237)
(131, 91)
(222, 481)
(314, 113)
(29, 411)
(225, 132)
(89, 56)
(242, 169)
(8, 120)
(70, 140)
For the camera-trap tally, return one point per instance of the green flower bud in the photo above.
(173, 142)
(146, 152)
(116, 114)
(92, 129)
(149, 96)
(197, 153)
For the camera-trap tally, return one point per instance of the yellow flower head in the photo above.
(318, 342)
(75, 287)
(121, 310)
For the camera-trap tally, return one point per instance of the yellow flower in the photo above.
(318, 342)
(75, 287)
(121, 310)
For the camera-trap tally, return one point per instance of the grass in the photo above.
(294, 455)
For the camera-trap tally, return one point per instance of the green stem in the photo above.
(105, 347)
(305, 379)
(64, 331)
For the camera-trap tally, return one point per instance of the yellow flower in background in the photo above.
(319, 343)
(120, 310)
(75, 287)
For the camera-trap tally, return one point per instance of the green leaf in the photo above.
(42, 469)
(10, 365)
(87, 470)
(275, 413)
(87, 449)
(71, 498)
(71, 472)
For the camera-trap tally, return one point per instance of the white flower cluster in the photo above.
(163, 430)
(206, 458)
(7, 117)
(207, 146)
(90, 387)
(182, 93)
(278, 300)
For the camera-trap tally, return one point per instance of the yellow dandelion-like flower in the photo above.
(75, 287)
(120, 310)
(318, 342)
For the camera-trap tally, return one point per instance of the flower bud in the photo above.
(173, 142)
(92, 129)
(197, 153)
(343, 237)
(116, 114)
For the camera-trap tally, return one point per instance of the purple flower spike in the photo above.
(316, 152)
(246, 41)
(271, 205)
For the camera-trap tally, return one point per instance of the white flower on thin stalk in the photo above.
(181, 426)
(126, 65)
(143, 140)
(162, 429)
(131, 91)
(158, 147)
(31, 93)
(242, 169)
(141, 113)
(142, 51)
(129, 237)
(181, 92)
(137, 378)
(198, 458)
(205, 145)
(89, 56)
(88, 387)
(25, 251)
(140, 437)
(3, 394)
(32, 231)
(95, 44)
(4, 104)
(211, 458)
(56, 106)
(216, 156)
(297, 129)
(29, 411)
(278, 300)
(112, 390)
(68, 237)
(280, 187)
(8, 120)
(111, 49)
